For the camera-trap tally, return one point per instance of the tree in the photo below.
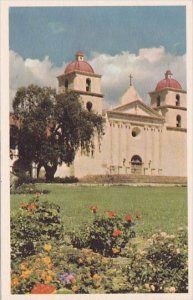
(53, 127)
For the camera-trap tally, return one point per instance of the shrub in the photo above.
(29, 189)
(162, 267)
(35, 222)
(106, 235)
(70, 179)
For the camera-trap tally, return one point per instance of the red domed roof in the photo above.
(168, 82)
(79, 64)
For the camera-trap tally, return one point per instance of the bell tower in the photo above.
(169, 99)
(80, 77)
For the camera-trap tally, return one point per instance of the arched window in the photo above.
(158, 100)
(89, 105)
(66, 84)
(88, 85)
(178, 121)
(177, 100)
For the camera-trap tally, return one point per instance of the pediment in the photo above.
(137, 108)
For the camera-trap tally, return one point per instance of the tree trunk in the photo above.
(50, 171)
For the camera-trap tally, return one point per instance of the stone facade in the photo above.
(139, 139)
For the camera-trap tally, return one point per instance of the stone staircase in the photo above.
(133, 179)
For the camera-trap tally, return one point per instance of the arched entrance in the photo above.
(136, 165)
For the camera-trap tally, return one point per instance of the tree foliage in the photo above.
(53, 127)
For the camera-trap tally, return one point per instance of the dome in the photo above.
(168, 82)
(78, 65)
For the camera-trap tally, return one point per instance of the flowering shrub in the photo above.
(63, 269)
(162, 267)
(107, 234)
(35, 222)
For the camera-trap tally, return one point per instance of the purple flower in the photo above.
(67, 278)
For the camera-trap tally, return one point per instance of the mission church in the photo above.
(139, 139)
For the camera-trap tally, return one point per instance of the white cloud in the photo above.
(32, 71)
(147, 68)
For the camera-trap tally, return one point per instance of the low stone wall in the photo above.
(127, 179)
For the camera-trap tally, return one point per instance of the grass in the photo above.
(162, 208)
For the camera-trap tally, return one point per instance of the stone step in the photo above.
(133, 178)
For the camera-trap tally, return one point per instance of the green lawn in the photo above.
(162, 208)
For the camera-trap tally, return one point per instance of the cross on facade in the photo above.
(130, 78)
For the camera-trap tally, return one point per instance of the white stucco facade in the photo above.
(139, 139)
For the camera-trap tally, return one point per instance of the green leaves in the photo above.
(34, 223)
(52, 127)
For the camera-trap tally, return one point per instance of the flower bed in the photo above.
(102, 258)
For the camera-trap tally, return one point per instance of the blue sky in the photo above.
(60, 32)
(117, 41)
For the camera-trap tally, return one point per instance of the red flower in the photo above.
(111, 214)
(31, 206)
(43, 289)
(138, 215)
(94, 209)
(128, 218)
(116, 232)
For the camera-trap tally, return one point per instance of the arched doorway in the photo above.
(136, 165)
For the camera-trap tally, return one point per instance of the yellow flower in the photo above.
(97, 277)
(46, 260)
(15, 282)
(48, 279)
(115, 250)
(74, 288)
(80, 261)
(23, 266)
(26, 274)
(147, 286)
(47, 247)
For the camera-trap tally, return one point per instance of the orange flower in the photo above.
(111, 214)
(115, 250)
(116, 232)
(94, 209)
(97, 277)
(38, 194)
(128, 218)
(26, 274)
(43, 289)
(74, 288)
(15, 282)
(31, 206)
(46, 260)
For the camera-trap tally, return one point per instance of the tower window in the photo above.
(177, 100)
(88, 85)
(66, 84)
(89, 105)
(178, 121)
(158, 100)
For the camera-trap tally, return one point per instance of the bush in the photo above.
(29, 189)
(106, 235)
(163, 267)
(35, 222)
(70, 179)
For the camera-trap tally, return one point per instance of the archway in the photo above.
(136, 164)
